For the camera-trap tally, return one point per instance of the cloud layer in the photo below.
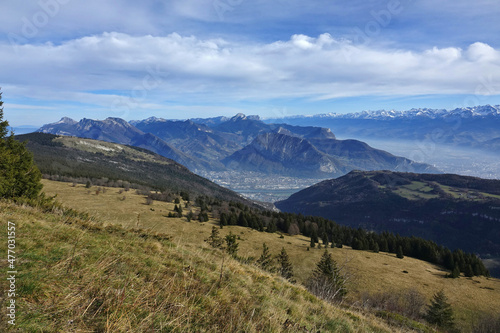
(302, 66)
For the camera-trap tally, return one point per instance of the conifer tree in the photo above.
(468, 271)
(265, 261)
(242, 220)
(3, 123)
(356, 244)
(312, 244)
(215, 240)
(399, 252)
(314, 235)
(384, 246)
(19, 177)
(327, 281)
(455, 273)
(440, 312)
(285, 266)
(271, 227)
(231, 245)
(324, 237)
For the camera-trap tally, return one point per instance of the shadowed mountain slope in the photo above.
(456, 211)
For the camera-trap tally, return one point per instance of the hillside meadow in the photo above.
(79, 274)
(369, 273)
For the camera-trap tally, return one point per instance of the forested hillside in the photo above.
(455, 211)
(104, 163)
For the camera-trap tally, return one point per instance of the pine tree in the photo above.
(327, 282)
(468, 272)
(19, 177)
(356, 244)
(3, 123)
(242, 220)
(312, 244)
(314, 235)
(399, 252)
(324, 237)
(231, 245)
(285, 266)
(271, 227)
(265, 261)
(215, 240)
(455, 273)
(223, 220)
(384, 247)
(440, 312)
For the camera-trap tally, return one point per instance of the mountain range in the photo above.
(241, 143)
(472, 127)
(466, 112)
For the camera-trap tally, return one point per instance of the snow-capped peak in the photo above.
(464, 112)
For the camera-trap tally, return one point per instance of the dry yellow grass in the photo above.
(370, 272)
(79, 276)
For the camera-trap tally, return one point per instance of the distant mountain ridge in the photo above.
(468, 127)
(466, 112)
(240, 142)
(119, 131)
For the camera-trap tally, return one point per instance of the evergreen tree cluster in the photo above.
(284, 267)
(19, 177)
(334, 235)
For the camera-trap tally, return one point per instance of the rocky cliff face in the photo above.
(280, 153)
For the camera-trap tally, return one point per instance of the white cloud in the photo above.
(446, 55)
(482, 52)
(151, 69)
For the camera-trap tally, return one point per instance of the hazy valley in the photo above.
(275, 159)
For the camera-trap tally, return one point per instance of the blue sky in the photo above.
(182, 59)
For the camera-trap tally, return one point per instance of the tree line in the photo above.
(327, 233)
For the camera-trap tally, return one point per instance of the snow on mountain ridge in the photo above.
(466, 112)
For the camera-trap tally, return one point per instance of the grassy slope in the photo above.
(370, 272)
(77, 275)
(87, 158)
(420, 190)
